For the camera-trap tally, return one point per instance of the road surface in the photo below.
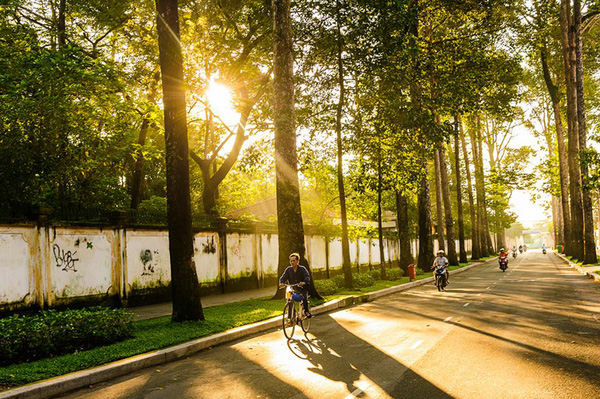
(532, 332)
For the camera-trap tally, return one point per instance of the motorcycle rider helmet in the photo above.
(501, 249)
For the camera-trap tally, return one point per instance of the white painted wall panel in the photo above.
(353, 251)
(81, 263)
(364, 251)
(14, 266)
(336, 259)
(270, 254)
(317, 257)
(148, 262)
(240, 261)
(206, 257)
(375, 257)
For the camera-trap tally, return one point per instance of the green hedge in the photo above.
(51, 332)
(394, 274)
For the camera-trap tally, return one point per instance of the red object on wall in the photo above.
(411, 272)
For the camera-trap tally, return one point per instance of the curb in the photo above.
(79, 379)
(592, 275)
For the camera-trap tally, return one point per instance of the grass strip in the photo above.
(160, 333)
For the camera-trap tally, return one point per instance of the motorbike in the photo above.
(503, 261)
(514, 253)
(520, 250)
(544, 251)
(440, 278)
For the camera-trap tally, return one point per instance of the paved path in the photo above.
(532, 332)
(166, 309)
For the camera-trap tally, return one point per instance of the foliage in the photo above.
(51, 333)
(394, 274)
(327, 287)
(361, 280)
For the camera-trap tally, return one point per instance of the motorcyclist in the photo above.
(503, 254)
(442, 261)
(514, 251)
(544, 248)
(521, 248)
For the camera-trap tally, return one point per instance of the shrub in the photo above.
(51, 332)
(326, 287)
(418, 270)
(394, 274)
(338, 280)
(362, 280)
(375, 273)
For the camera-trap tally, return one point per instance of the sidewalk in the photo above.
(592, 272)
(166, 308)
(69, 382)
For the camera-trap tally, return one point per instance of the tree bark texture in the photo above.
(289, 214)
(184, 280)
(403, 232)
(475, 247)
(484, 249)
(452, 258)
(439, 210)
(487, 238)
(588, 211)
(562, 154)
(346, 265)
(577, 244)
(426, 256)
(380, 221)
(459, 205)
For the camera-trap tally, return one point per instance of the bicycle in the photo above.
(293, 312)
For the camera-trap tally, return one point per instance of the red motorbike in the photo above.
(503, 261)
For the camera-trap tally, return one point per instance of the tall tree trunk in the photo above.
(475, 247)
(403, 232)
(439, 210)
(379, 217)
(426, 255)
(483, 247)
(487, 238)
(184, 280)
(62, 26)
(452, 258)
(346, 266)
(588, 207)
(289, 214)
(562, 155)
(459, 205)
(576, 248)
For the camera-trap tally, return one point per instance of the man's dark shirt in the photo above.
(300, 275)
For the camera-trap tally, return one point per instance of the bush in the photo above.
(362, 280)
(326, 287)
(418, 270)
(50, 333)
(338, 280)
(394, 274)
(375, 273)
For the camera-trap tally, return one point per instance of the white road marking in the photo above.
(466, 304)
(416, 344)
(448, 318)
(479, 294)
(362, 386)
(487, 288)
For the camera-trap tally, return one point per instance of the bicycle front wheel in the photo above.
(289, 320)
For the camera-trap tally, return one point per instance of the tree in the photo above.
(289, 216)
(184, 281)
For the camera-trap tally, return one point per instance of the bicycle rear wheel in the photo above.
(305, 323)
(289, 323)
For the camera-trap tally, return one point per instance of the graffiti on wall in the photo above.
(209, 246)
(64, 259)
(148, 261)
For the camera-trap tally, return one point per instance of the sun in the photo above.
(220, 100)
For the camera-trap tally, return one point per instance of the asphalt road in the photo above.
(531, 332)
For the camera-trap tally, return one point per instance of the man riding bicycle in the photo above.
(297, 274)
